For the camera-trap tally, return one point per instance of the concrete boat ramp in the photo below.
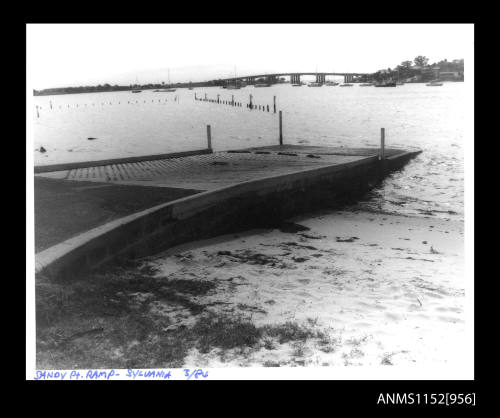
(232, 190)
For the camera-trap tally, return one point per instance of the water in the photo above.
(414, 115)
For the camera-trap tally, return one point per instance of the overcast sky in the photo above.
(81, 54)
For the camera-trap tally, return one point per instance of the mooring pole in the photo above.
(218, 99)
(250, 105)
(274, 103)
(209, 137)
(232, 100)
(382, 143)
(281, 128)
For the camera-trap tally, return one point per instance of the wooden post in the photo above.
(274, 103)
(382, 143)
(218, 99)
(281, 128)
(37, 114)
(209, 137)
(205, 96)
(250, 105)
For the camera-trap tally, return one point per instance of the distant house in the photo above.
(451, 76)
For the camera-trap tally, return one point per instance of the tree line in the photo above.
(107, 87)
(419, 70)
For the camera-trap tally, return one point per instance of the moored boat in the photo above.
(435, 83)
(262, 85)
(169, 89)
(315, 85)
(136, 91)
(346, 85)
(386, 84)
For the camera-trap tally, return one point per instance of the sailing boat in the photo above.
(136, 83)
(331, 83)
(399, 82)
(315, 84)
(236, 85)
(167, 90)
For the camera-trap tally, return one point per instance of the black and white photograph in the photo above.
(250, 201)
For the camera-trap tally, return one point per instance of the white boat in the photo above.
(331, 83)
(296, 84)
(315, 85)
(262, 85)
(434, 83)
(346, 85)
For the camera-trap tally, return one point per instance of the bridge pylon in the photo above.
(320, 78)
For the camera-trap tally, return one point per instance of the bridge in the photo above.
(294, 77)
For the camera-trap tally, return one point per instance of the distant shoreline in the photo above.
(81, 90)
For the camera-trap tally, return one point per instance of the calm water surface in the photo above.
(414, 115)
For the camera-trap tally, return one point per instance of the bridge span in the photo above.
(294, 77)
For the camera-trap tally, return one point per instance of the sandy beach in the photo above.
(343, 288)
(383, 289)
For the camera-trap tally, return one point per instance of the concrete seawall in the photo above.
(222, 210)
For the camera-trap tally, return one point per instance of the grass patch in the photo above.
(225, 333)
(289, 331)
(111, 320)
(105, 320)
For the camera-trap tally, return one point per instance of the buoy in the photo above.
(91, 138)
